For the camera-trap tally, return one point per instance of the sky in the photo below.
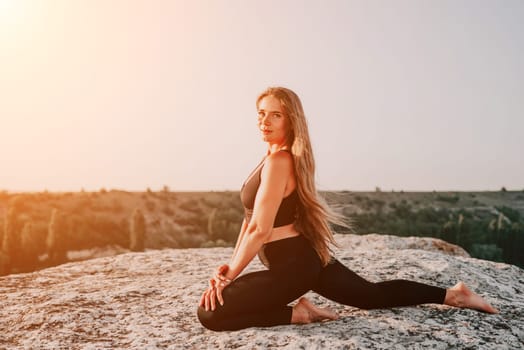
(403, 95)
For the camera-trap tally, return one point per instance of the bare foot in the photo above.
(305, 312)
(461, 296)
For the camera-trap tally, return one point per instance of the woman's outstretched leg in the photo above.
(344, 286)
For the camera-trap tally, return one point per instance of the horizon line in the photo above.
(107, 189)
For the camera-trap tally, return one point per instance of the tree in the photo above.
(211, 222)
(4, 264)
(11, 240)
(30, 247)
(56, 238)
(137, 232)
(223, 224)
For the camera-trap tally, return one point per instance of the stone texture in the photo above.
(148, 300)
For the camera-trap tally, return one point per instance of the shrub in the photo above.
(18, 203)
(150, 205)
(82, 205)
(223, 224)
(191, 205)
(189, 239)
(510, 213)
(117, 206)
(104, 230)
(168, 211)
(486, 251)
(449, 199)
(217, 243)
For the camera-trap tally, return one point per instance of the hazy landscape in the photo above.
(43, 229)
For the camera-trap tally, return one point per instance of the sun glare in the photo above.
(8, 9)
(11, 14)
(17, 19)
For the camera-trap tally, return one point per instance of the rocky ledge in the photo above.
(148, 300)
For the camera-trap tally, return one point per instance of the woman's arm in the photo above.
(240, 237)
(270, 193)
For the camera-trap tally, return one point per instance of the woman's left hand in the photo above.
(215, 288)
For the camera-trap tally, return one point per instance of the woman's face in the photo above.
(272, 121)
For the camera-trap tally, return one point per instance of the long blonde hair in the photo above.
(314, 215)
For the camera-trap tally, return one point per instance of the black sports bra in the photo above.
(286, 213)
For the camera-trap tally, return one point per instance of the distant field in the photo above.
(447, 200)
(488, 225)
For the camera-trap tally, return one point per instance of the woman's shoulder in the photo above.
(282, 158)
(279, 164)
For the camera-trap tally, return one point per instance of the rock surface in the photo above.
(148, 300)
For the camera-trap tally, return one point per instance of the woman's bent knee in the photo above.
(208, 319)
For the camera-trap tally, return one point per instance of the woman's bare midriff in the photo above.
(282, 232)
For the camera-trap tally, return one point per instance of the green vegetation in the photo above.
(494, 233)
(38, 230)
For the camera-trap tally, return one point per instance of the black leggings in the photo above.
(261, 298)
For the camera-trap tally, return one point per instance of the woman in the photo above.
(287, 224)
